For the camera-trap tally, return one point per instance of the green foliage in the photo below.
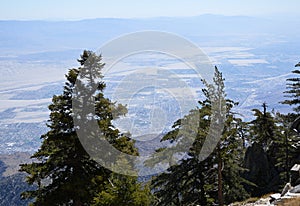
(275, 147)
(286, 148)
(288, 143)
(293, 91)
(193, 181)
(62, 173)
(263, 128)
(231, 151)
(123, 190)
(260, 156)
(62, 170)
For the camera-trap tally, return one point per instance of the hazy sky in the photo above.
(75, 9)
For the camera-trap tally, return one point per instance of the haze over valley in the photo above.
(255, 55)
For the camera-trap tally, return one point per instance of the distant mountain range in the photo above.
(23, 37)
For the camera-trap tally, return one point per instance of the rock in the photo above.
(275, 196)
(263, 201)
(296, 189)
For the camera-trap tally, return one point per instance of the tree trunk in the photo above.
(287, 157)
(220, 180)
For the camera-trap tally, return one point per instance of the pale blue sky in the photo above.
(83, 9)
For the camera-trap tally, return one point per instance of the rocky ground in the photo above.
(269, 202)
(290, 196)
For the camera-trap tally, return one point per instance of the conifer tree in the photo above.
(286, 147)
(293, 91)
(289, 149)
(122, 190)
(260, 158)
(188, 182)
(193, 181)
(263, 127)
(62, 170)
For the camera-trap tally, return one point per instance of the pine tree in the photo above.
(188, 182)
(122, 190)
(290, 147)
(287, 148)
(193, 180)
(230, 152)
(263, 127)
(62, 170)
(293, 91)
(243, 131)
(260, 158)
